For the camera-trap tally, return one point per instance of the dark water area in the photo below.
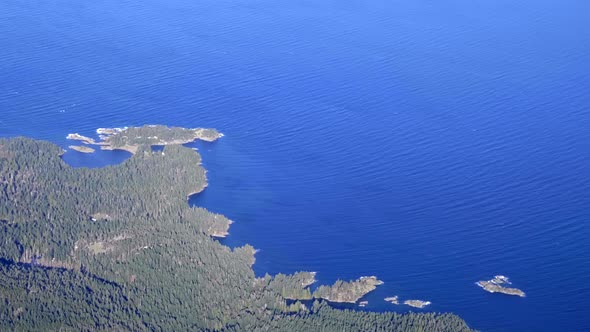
(432, 144)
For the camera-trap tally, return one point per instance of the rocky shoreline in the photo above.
(131, 138)
(495, 286)
(81, 148)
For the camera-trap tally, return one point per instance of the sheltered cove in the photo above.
(129, 235)
(132, 138)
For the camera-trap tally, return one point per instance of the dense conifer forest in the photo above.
(119, 248)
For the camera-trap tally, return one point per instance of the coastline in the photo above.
(131, 138)
(369, 282)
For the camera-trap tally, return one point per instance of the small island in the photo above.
(347, 292)
(131, 138)
(392, 299)
(81, 148)
(417, 303)
(495, 286)
(83, 139)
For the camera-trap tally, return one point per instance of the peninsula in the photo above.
(347, 292)
(131, 138)
(119, 249)
(81, 148)
(495, 285)
(295, 287)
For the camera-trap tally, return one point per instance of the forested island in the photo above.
(119, 248)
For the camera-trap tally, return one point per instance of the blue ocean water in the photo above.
(430, 143)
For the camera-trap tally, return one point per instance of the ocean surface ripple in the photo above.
(432, 144)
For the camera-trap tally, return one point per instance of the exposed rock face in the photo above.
(492, 287)
(495, 286)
